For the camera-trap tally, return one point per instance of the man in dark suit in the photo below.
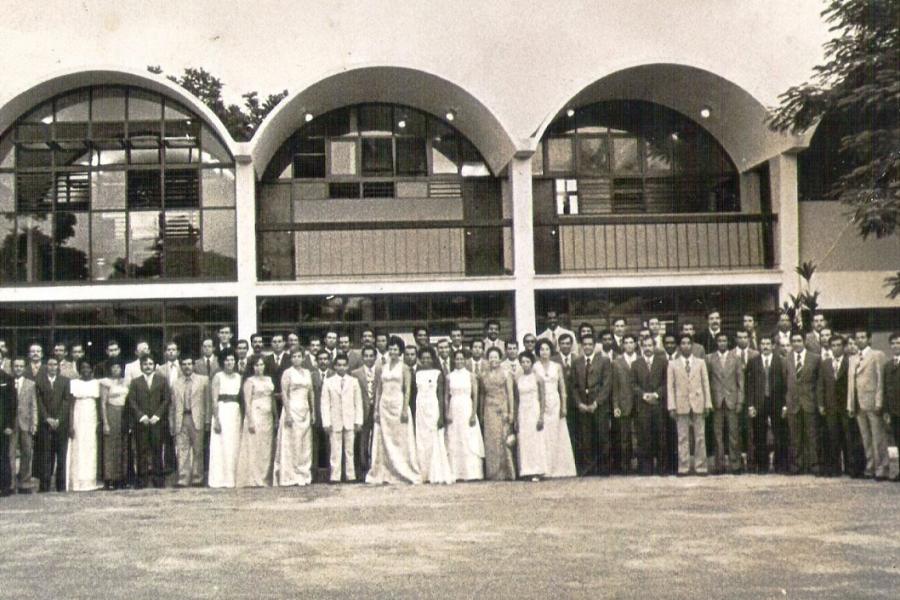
(623, 400)
(8, 415)
(564, 357)
(276, 364)
(708, 337)
(800, 407)
(224, 335)
(368, 376)
(591, 386)
(321, 456)
(891, 379)
(765, 388)
(411, 360)
(618, 334)
(36, 367)
(53, 431)
(837, 435)
(649, 375)
(148, 403)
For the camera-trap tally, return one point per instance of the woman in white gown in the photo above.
(293, 454)
(393, 441)
(434, 464)
(81, 470)
(465, 445)
(530, 420)
(225, 439)
(258, 435)
(558, 445)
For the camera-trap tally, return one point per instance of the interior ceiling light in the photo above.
(705, 112)
(308, 117)
(570, 112)
(450, 115)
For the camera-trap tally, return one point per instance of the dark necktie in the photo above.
(687, 366)
(766, 391)
(187, 394)
(799, 364)
(208, 367)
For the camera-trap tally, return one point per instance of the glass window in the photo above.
(7, 248)
(144, 244)
(376, 119)
(625, 155)
(144, 106)
(409, 122)
(108, 104)
(308, 166)
(559, 155)
(593, 155)
(107, 190)
(144, 189)
(74, 107)
(72, 241)
(73, 190)
(377, 156)
(657, 156)
(34, 191)
(35, 247)
(341, 122)
(218, 187)
(445, 158)
(33, 157)
(411, 156)
(181, 243)
(343, 157)
(219, 252)
(7, 192)
(276, 255)
(213, 150)
(108, 245)
(182, 188)
(7, 153)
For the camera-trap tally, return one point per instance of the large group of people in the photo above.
(446, 409)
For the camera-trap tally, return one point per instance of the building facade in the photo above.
(389, 196)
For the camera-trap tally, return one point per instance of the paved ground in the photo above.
(719, 537)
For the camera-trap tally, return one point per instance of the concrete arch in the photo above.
(737, 119)
(389, 84)
(20, 103)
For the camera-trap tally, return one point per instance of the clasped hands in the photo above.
(145, 420)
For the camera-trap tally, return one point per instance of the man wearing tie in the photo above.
(564, 357)
(170, 370)
(837, 438)
(554, 330)
(276, 364)
(225, 334)
(352, 355)
(749, 323)
(26, 425)
(342, 417)
(368, 376)
(709, 338)
(476, 363)
(53, 431)
(800, 407)
(148, 401)
(781, 338)
(330, 344)
(8, 415)
(689, 401)
(189, 414)
(726, 382)
(765, 388)
(892, 387)
(623, 392)
(492, 336)
(591, 386)
(865, 399)
(650, 371)
(815, 341)
(656, 332)
(443, 352)
(618, 333)
(36, 367)
(744, 354)
(5, 362)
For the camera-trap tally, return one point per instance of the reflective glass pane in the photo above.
(412, 158)
(181, 243)
(144, 156)
(559, 155)
(7, 192)
(144, 106)
(341, 122)
(108, 245)
(377, 156)
(7, 248)
(35, 247)
(182, 188)
(219, 244)
(182, 155)
(73, 190)
(593, 155)
(144, 244)
(41, 114)
(445, 157)
(625, 155)
(175, 111)
(144, 189)
(658, 156)
(108, 104)
(34, 191)
(74, 107)
(375, 119)
(107, 189)
(408, 121)
(343, 157)
(109, 157)
(213, 149)
(33, 157)
(309, 166)
(7, 152)
(218, 187)
(276, 255)
(72, 242)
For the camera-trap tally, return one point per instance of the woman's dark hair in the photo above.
(496, 350)
(110, 363)
(526, 354)
(225, 354)
(396, 340)
(544, 342)
(81, 362)
(429, 351)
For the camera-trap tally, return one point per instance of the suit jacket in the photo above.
(368, 400)
(812, 343)
(707, 339)
(199, 402)
(32, 375)
(756, 384)
(152, 401)
(53, 400)
(688, 393)
(354, 360)
(132, 370)
(568, 374)
(201, 369)
(891, 377)
(594, 385)
(650, 379)
(68, 369)
(622, 386)
(342, 406)
(488, 344)
(8, 408)
(275, 368)
(801, 391)
(317, 382)
(170, 374)
(865, 381)
(833, 386)
(726, 381)
(27, 414)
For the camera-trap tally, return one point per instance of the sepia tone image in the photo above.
(450, 299)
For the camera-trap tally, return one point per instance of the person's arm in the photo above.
(311, 401)
(358, 407)
(377, 406)
(71, 411)
(515, 403)
(207, 404)
(541, 402)
(104, 399)
(510, 399)
(442, 409)
(606, 382)
(820, 389)
(561, 386)
(163, 409)
(472, 419)
(445, 401)
(286, 399)
(131, 401)
(879, 384)
(326, 406)
(248, 399)
(670, 388)
(851, 384)
(43, 407)
(704, 380)
(617, 385)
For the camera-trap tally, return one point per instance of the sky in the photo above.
(521, 58)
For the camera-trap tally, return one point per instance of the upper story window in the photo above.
(110, 183)
(634, 157)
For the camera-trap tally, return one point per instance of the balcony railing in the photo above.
(655, 242)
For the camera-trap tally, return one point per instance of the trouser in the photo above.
(26, 459)
(803, 445)
(722, 417)
(625, 448)
(685, 423)
(170, 458)
(650, 424)
(782, 442)
(54, 445)
(836, 442)
(591, 442)
(758, 457)
(363, 450)
(341, 442)
(189, 451)
(6, 479)
(206, 436)
(871, 427)
(149, 445)
(671, 443)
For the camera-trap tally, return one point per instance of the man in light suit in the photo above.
(726, 383)
(133, 369)
(342, 417)
(649, 372)
(623, 401)
(592, 387)
(801, 406)
(190, 413)
(148, 401)
(865, 399)
(26, 423)
(689, 401)
(368, 376)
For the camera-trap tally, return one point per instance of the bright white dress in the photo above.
(257, 448)
(224, 446)
(81, 467)
(393, 442)
(530, 441)
(465, 445)
(558, 445)
(434, 464)
(293, 454)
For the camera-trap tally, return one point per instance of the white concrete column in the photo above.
(523, 242)
(783, 182)
(245, 196)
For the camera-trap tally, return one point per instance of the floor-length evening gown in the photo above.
(465, 445)
(81, 471)
(498, 457)
(558, 445)
(257, 448)
(393, 442)
(530, 441)
(434, 464)
(293, 454)
(224, 446)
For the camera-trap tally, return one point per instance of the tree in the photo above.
(241, 122)
(858, 85)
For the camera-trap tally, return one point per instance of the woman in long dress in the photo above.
(560, 458)
(465, 445)
(434, 464)
(393, 441)
(497, 417)
(84, 411)
(225, 439)
(112, 408)
(293, 454)
(258, 436)
(530, 420)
